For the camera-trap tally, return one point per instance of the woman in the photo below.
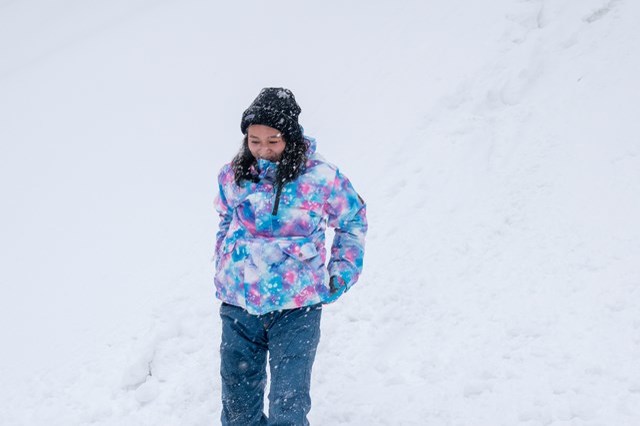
(275, 200)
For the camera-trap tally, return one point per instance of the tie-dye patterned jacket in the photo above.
(266, 261)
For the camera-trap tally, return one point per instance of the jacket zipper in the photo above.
(277, 202)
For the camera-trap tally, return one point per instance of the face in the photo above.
(265, 142)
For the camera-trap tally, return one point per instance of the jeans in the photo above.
(291, 338)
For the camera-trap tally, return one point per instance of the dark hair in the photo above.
(291, 164)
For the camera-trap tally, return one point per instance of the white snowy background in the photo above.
(496, 144)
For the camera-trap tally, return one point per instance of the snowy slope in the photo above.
(496, 146)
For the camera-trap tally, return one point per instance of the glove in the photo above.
(336, 289)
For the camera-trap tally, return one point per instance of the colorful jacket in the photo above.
(268, 259)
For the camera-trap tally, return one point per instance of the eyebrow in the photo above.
(277, 135)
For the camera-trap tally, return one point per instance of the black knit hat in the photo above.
(274, 107)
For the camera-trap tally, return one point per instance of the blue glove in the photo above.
(336, 289)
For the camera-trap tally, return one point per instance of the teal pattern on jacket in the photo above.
(267, 262)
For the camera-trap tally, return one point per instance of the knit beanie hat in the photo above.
(274, 107)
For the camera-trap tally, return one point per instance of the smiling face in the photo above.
(265, 142)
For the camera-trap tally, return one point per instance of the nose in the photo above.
(266, 152)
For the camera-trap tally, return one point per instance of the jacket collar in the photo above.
(266, 169)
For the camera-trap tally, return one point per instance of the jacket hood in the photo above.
(311, 145)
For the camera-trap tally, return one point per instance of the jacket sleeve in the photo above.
(225, 212)
(347, 214)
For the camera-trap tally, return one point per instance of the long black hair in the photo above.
(290, 166)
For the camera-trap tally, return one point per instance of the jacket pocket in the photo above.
(300, 251)
(302, 267)
(224, 258)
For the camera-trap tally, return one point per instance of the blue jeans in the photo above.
(290, 337)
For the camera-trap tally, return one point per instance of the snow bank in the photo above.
(495, 145)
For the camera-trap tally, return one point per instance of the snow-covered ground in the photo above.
(496, 146)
